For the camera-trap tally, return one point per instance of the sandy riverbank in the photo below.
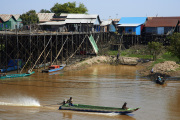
(168, 68)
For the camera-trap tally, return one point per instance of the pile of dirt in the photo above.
(88, 62)
(165, 67)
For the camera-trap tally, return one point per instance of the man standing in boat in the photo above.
(70, 101)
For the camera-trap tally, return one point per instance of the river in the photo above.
(36, 97)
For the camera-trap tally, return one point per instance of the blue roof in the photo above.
(132, 20)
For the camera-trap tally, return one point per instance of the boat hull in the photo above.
(17, 75)
(53, 70)
(160, 82)
(99, 109)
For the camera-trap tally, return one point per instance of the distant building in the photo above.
(108, 26)
(162, 25)
(18, 21)
(131, 25)
(45, 17)
(83, 22)
(115, 20)
(7, 22)
(72, 23)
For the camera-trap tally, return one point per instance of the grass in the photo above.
(162, 58)
(127, 53)
(168, 57)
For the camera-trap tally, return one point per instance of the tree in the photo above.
(44, 11)
(155, 49)
(174, 47)
(68, 8)
(29, 17)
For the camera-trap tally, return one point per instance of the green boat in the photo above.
(99, 109)
(17, 75)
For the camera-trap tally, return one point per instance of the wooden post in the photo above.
(62, 50)
(44, 51)
(51, 49)
(6, 51)
(17, 50)
(56, 45)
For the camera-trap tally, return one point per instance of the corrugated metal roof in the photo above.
(80, 21)
(106, 22)
(5, 17)
(132, 20)
(43, 17)
(161, 22)
(17, 16)
(129, 25)
(53, 23)
(84, 16)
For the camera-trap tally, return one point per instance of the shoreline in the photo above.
(165, 69)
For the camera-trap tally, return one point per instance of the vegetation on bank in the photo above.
(164, 56)
(154, 51)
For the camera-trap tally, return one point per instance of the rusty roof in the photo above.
(5, 17)
(162, 21)
(44, 17)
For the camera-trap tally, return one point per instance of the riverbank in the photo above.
(167, 68)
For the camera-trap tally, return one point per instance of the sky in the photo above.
(104, 8)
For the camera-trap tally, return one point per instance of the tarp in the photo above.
(93, 43)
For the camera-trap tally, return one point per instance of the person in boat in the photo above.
(124, 106)
(159, 78)
(70, 101)
(64, 102)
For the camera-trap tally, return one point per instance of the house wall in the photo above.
(130, 30)
(138, 30)
(151, 30)
(5, 25)
(156, 30)
(19, 23)
(112, 28)
(168, 29)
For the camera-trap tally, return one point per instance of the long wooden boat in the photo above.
(17, 75)
(53, 68)
(99, 109)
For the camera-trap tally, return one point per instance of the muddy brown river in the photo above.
(36, 97)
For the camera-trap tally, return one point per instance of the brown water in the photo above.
(35, 97)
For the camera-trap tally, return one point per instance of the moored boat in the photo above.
(99, 109)
(160, 80)
(17, 75)
(54, 68)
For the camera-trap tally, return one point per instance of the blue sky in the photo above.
(104, 8)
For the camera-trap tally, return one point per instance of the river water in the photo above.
(36, 97)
